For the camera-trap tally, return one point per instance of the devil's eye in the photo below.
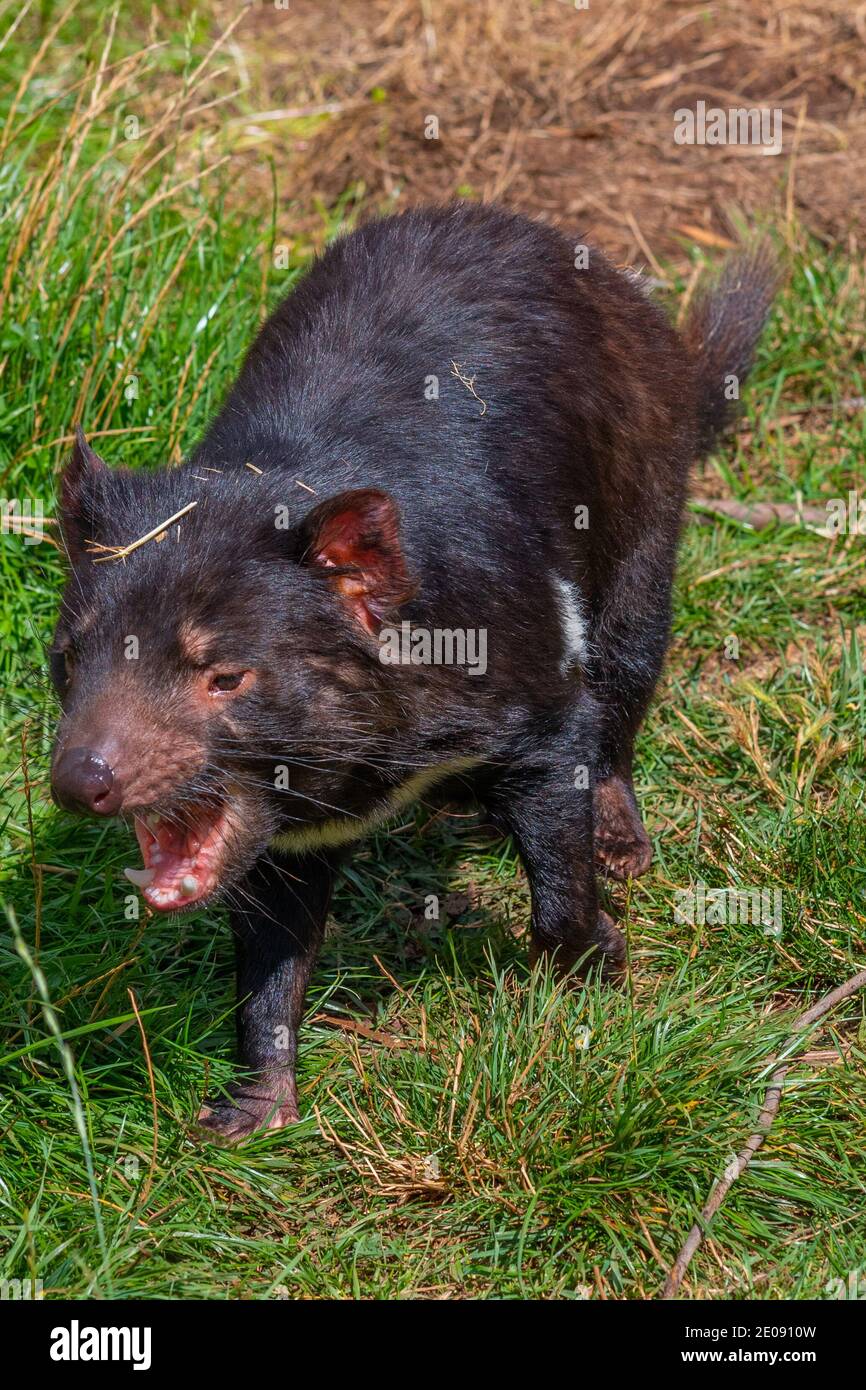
(225, 681)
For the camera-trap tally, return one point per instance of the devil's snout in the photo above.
(83, 781)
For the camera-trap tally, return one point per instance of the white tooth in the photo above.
(142, 878)
(188, 885)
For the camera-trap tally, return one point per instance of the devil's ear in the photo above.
(353, 540)
(76, 493)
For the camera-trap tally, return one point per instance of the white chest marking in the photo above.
(344, 830)
(574, 635)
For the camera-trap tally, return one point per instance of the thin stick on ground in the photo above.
(772, 1099)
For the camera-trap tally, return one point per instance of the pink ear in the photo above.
(356, 534)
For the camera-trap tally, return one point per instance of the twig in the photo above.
(291, 113)
(646, 248)
(388, 975)
(63, 439)
(119, 552)
(469, 383)
(705, 237)
(772, 1099)
(363, 1030)
(759, 515)
(16, 525)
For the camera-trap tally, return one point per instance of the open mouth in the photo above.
(182, 857)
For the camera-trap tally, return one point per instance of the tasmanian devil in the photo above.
(460, 432)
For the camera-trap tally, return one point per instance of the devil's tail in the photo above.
(721, 330)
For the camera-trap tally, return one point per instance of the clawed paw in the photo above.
(610, 952)
(246, 1109)
(622, 859)
(604, 949)
(622, 847)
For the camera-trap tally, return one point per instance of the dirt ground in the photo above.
(563, 112)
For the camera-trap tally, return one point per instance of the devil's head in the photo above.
(217, 663)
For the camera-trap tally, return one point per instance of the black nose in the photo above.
(82, 781)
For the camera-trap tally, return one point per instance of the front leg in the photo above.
(551, 821)
(278, 925)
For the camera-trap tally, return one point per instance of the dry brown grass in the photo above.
(563, 113)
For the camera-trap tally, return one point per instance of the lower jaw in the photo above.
(181, 867)
(166, 901)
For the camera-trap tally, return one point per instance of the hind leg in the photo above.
(551, 822)
(629, 642)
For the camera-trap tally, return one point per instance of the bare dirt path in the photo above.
(563, 112)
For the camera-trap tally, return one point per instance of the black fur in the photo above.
(558, 388)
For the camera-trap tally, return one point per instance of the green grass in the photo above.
(499, 1136)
